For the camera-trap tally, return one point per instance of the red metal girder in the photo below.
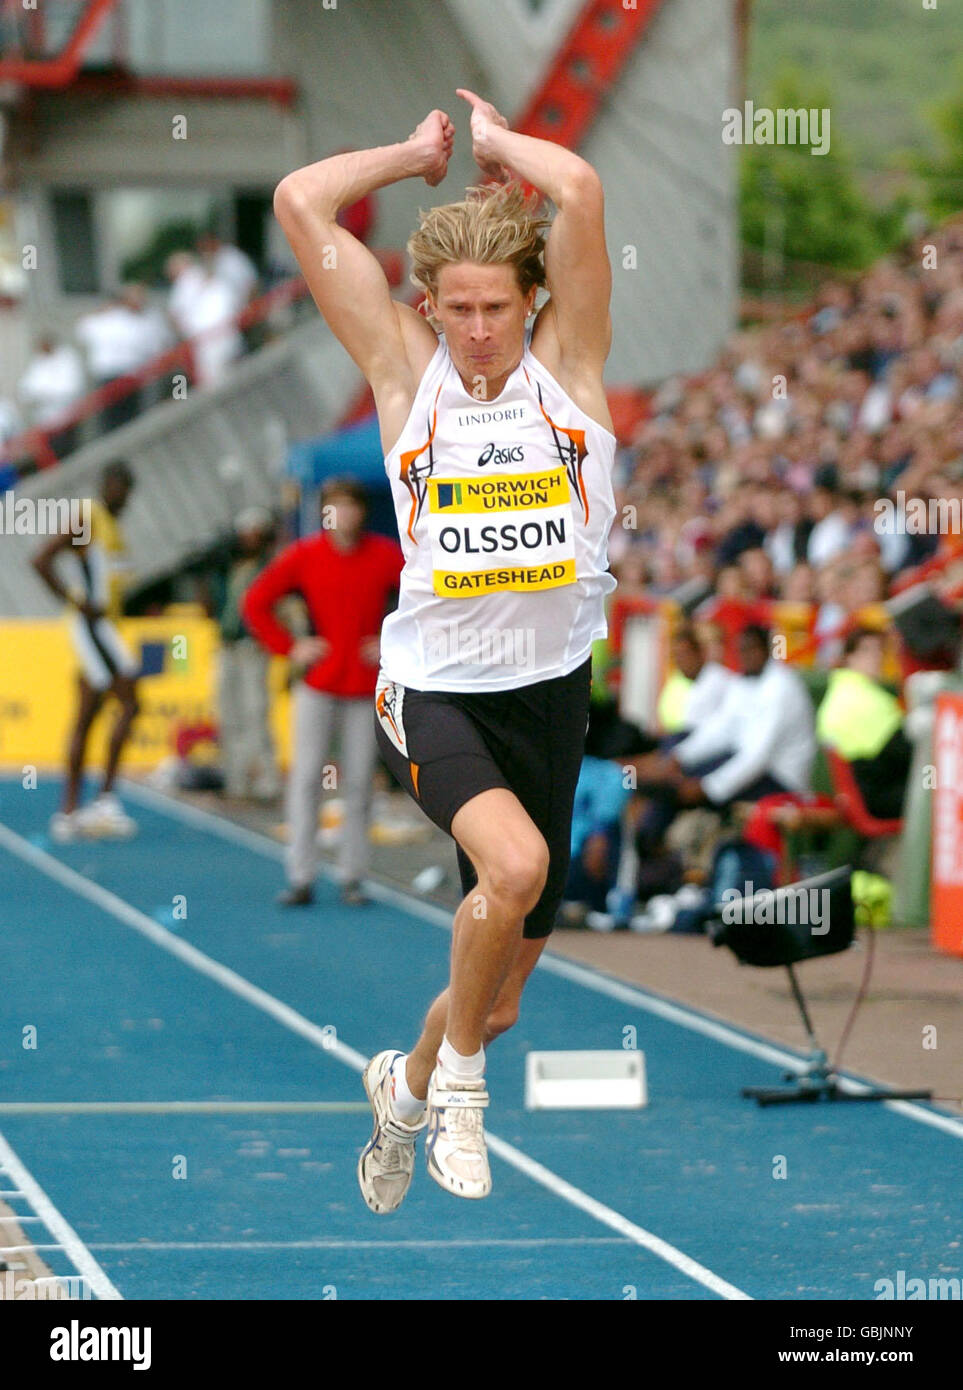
(120, 82)
(586, 65)
(59, 71)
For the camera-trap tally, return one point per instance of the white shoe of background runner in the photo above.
(455, 1144)
(388, 1159)
(106, 817)
(66, 826)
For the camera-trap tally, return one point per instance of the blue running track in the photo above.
(159, 971)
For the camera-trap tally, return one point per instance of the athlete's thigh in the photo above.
(435, 750)
(494, 823)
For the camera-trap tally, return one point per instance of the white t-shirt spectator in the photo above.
(52, 382)
(210, 321)
(10, 424)
(183, 292)
(117, 340)
(707, 693)
(780, 546)
(828, 538)
(230, 264)
(766, 722)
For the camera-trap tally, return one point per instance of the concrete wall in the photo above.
(369, 70)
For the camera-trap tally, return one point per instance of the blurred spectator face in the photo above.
(821, 502)
(790, 506)
(753, 652)
(765, 508)
(177, 263)
(349, 514)
(254, 530)
(800, 587)
(632, 571)
(757, 572)
(712, 639)
(116, 489)
(134, 298)
(867, 656)
(687, 655)
(865, 586)
(730, 584)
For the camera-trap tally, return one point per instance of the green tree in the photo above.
(944, 175)
(812, 205)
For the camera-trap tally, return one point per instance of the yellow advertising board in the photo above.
(178, 655)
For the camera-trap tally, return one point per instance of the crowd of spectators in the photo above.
(795, 472)
(208, 288)
(761, 478)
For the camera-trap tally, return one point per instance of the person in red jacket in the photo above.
(345, 576)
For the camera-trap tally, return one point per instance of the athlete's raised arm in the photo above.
(577, 267)
(346, 280)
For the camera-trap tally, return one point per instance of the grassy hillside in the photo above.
(884, 62)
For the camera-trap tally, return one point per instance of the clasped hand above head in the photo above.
(435, 138)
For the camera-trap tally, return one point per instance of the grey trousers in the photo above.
(247, 749)
(316, 718)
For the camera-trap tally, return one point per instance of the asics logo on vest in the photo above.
(511, 453)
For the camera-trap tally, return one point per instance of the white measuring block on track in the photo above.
(585, 1080)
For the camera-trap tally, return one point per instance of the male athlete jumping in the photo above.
(499, 448)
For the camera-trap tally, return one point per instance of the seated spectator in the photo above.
(600, 799)
(209, 321)
(836, 516)
(119, 340)
(10, 423)
(52, 382)
(864, 723)
(758, 575)
(186, 281)
(694, 689)
(247, 749)
(231, 266)
(759, 741)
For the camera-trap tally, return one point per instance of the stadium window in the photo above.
(73, 220)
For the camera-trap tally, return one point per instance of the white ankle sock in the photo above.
(404, 1103)
(461, 1068)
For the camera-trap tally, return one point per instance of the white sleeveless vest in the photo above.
(504, 509)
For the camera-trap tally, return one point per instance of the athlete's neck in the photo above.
(493, 386)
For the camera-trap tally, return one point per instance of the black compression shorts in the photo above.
(446, 747)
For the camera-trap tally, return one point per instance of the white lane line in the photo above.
(614, 1219)
(185, 1107)
(56, 1224)
(183, 950)
(521, 1242)
(297, 1023)
(679, 1014)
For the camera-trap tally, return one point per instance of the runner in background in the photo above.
(90, 579)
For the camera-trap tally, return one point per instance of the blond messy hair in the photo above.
(493, 225)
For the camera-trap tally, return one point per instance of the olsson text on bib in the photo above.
(513, 532)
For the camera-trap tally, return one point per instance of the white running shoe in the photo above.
(455, 1143)
(105, 817)
(65, 827)
(388, 1159)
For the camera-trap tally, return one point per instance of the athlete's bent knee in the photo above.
(517, 873)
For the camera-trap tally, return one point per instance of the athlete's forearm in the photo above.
(554, 170)
(334, 183)
(43, 566)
